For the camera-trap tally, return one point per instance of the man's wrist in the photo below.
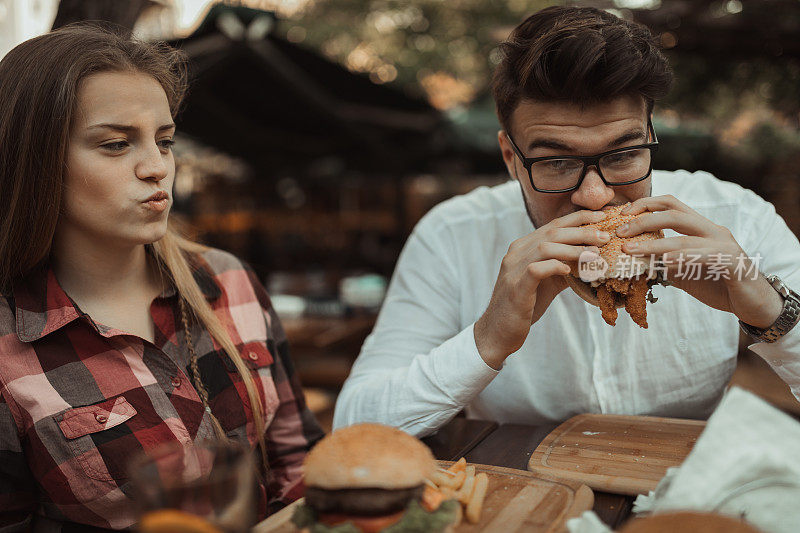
(786, 320)
(770, 309)
(488, 351)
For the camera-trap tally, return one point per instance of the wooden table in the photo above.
(510, 445)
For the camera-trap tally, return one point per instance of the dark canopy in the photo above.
(282, 107)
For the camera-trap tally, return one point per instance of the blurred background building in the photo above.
(317, 132)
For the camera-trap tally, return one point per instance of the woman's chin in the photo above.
(152, 233)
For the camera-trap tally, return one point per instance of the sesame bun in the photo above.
(688, 521)
(618, 262)
(368, 456)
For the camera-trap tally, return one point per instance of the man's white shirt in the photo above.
(420, 365)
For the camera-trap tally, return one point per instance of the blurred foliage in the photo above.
(445, 49)
(718, 90)
(734, 115)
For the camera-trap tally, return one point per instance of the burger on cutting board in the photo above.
(369, 478)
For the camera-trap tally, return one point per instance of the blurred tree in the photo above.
(730, 55)
(727, 54)
(446, 49)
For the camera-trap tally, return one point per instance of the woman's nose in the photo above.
(153, 164)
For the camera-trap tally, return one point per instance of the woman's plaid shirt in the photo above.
(79, 399)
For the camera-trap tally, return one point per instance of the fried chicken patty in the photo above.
(631, 291)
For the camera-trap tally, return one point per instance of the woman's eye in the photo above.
(116, 146)
(166, 143)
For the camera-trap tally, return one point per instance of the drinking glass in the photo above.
(211, 483)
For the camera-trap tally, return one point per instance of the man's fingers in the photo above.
(656, 203)
(578, 218)
(533, 275)
(549, 243)
(686, 223)
(536, 272)
(547, 291)
(562, 252)
(586, 236)
(661, 246)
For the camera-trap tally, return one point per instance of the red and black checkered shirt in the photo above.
(79, 399)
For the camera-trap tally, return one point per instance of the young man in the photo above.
(477, 317)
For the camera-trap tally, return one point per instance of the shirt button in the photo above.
(101, 418)
(176, 382)
(253, 356)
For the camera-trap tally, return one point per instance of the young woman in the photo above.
(117, 335)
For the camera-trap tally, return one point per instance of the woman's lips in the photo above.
(157, 205)
(157, 202)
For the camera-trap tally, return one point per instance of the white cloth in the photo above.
(420, 365)
(745, 465)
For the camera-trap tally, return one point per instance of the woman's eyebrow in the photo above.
(128, 128)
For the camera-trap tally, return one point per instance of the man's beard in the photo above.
(531, 215)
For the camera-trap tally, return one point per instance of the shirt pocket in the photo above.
(257, 357)
(99, 439)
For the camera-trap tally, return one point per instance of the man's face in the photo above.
(552, 128)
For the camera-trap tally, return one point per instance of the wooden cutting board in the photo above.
(515, 501)
(615, 453)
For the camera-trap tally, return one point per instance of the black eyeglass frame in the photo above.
(588, 160)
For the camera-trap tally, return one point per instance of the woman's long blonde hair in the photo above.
(39, 81)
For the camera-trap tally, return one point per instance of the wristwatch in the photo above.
(789, 317)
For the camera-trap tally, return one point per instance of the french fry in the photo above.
(466, 488)
(475, 504)
(460, 482)
(454, 482)
(431, 498)
(459, 516)
(458, 465)
(440, 479)
(448, 493)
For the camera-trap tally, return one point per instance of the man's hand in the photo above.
(724, 276)
(531, 275)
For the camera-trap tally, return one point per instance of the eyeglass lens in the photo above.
(619, 167)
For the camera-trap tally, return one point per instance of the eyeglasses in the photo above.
(564, 173)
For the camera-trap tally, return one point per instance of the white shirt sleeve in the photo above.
(420, 366)
(779, 249)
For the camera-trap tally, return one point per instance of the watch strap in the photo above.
(789, 317)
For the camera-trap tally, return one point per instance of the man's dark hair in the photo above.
(579, 55)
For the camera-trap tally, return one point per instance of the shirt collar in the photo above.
(43, 306)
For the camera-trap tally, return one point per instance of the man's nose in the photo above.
(593, 193)
(152, 165)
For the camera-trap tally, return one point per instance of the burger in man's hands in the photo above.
(369, 478)
(624, 280)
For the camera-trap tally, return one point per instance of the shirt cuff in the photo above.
(462, 368)
(783, 356)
